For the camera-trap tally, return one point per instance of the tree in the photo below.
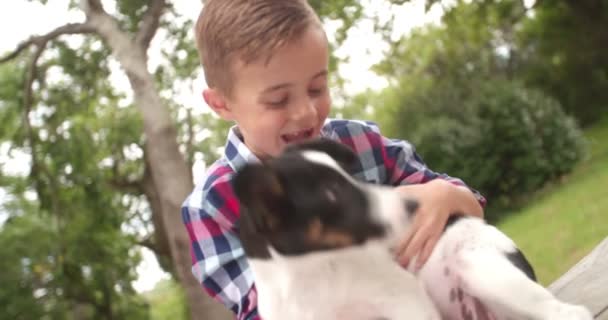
(564, 64)
(103, 161)
(166, 178)
(548, 51)
(458, 92)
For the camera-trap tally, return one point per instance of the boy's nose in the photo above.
(304, 112)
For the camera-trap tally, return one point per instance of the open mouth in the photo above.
(297, 136)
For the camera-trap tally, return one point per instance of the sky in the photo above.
(19, 19)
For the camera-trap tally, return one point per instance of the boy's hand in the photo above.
(438, 200)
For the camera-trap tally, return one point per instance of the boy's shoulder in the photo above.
(215, 183)
(360, 135)
(219, 172)
(350, 126)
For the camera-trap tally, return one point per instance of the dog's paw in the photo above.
(564, 311)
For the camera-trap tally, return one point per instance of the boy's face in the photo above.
(280, 102)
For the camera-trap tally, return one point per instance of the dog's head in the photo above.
(306, 200)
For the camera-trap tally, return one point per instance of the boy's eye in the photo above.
(277, 104)
(316, 91)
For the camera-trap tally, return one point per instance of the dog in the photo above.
(320, 244)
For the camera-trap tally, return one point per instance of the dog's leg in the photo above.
(491, 269)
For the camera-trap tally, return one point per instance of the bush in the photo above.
(500, 138)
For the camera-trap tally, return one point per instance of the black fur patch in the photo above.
(411, 206)
(298, 206)
(518, 259)
(254, 244)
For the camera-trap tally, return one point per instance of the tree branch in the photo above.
(127, 186)
(31, 74)
(41, 41)
(148, 242)
(28, 99)
(122, 183)
(150, 23)
(131, 57)
(92, 6)
(28, 102)
(190, 141)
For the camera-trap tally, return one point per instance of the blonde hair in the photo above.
(246, 30)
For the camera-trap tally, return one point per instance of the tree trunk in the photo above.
(173, 184)
(161, 248)
(170, 173)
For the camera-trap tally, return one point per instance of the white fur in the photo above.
(473, 253)
(323, 159)
(356, 283)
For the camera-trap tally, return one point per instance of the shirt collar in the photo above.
(238, 154)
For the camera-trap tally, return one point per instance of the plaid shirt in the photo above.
(211, 212)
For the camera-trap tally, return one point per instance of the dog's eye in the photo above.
(333, 192)
(331, 195)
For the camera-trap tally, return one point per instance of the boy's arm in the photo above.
(218, 260)
(406, 168)
(439, 194)
(438, 200)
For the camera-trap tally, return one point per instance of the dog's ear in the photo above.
(341, 153)
(262, 194)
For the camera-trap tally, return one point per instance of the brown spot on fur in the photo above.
(315, 229)
(326, 237)
(275, 187)
(446, 271)
(480, 310)
(460, 294)
(337, 239)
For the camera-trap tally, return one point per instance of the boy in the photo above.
(266, 64)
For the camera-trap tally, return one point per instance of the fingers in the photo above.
(415, 244)
(412, 248)
(406, 243)
(427, 250)
(418, 243)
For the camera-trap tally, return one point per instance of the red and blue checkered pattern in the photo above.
(211, 211)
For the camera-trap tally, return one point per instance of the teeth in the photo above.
(296, 136)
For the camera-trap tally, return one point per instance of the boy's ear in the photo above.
(216, 100)
(260, 191)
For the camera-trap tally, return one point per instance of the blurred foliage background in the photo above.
(511, 96)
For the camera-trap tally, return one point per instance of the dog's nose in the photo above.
(411, 206)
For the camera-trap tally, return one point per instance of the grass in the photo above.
(565, 221)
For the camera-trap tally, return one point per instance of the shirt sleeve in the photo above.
(402, 164)
(218, 259)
